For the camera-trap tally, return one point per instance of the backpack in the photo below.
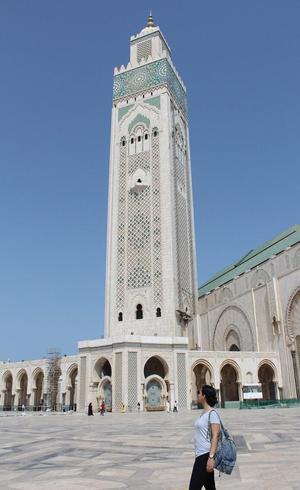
(225, 456)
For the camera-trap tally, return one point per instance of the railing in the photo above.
(285, 403)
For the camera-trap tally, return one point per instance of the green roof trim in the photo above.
(252, 259)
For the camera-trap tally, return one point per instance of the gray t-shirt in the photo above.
(202, 439)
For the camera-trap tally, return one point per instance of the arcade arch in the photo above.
(201, 375)
(8, 398)
(103, 371)
(266, 376)
(293, 331)
(22, 385)
(103, 368)
(156, 387)
(38, 378)
(72, 387)
(226, 328)
(229, 386)
(156, 365)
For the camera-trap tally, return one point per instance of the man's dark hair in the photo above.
(210, 394)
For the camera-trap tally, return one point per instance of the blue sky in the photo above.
(241, 64)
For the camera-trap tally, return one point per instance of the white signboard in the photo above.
(252, 391)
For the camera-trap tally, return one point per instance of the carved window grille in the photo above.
(144, 50)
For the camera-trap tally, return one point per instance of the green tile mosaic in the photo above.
(152, 75)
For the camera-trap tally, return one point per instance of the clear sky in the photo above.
(240, 61)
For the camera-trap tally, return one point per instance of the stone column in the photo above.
(172, 398)
(293, 353)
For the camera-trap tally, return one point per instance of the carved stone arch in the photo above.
(233, 315)
(148, 116)
(259, 277)
(22, 387)
(205, 363)
(102, 368)
(38, 384)
(296, 259)
(156, 392)
(293, 315)
(235, 365)
(160, 368)
(232, 337)
(36, 372)
(71, 369)
(139, 298)
(272, 365)
(123, 141)
(225, 295)
(267, 376)
(7, 384)
(201, 373)
(19, 376)
(6, 374)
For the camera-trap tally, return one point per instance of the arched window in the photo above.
(120, 316)
(139, 312)
(158, 312)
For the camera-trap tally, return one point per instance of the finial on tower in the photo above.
(150, 21)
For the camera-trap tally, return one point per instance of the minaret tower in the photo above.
(151, 267)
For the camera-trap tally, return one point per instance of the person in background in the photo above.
(102, 408)
(175, 407)
(90, 409)
(205, 446)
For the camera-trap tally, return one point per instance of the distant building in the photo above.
(161, 343)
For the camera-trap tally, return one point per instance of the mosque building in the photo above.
(164, 337)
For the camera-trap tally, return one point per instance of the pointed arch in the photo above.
(229, 318)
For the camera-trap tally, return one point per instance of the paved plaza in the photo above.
(143, 451)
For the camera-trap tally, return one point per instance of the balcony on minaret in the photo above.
(139, 181)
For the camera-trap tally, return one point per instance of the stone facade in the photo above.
(160, 344)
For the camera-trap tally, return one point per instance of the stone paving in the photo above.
(143, 451)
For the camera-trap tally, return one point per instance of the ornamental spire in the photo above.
(150, 21)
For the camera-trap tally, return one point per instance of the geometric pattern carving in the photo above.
(144, 49)
(233, 338)
(183, 226)
(138, 243)
(139, 160)
(293, 315)
(120, 296)
(259, 278)
(233, 319)
(181, 376)
(117, 399)
(153, 75)
(156, 231)
(132, 380)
